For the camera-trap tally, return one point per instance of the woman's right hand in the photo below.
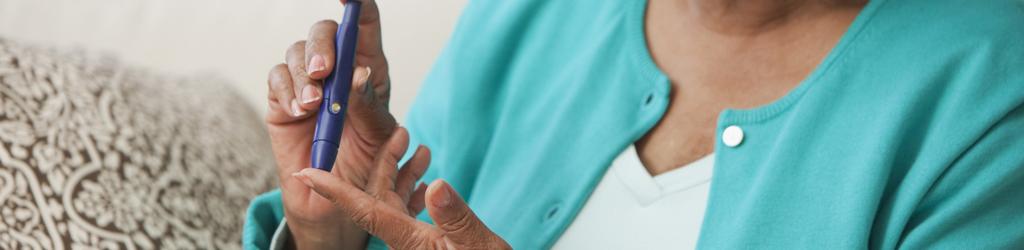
(294, 98)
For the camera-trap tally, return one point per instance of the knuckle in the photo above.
(298, 72)
(376, 193)
(324, 23)
(297, 49)
(276, 74)
(390, 159)
(363, 215)
(365, 220)
(463, 223)
(297, 45)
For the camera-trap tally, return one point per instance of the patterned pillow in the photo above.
(98, 156)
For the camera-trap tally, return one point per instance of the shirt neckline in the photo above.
(629, 170)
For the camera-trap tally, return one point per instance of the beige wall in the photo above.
(237, 39)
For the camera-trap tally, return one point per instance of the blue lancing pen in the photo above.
(331, 117)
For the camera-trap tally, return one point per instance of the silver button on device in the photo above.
(732, 136)
(335, 107)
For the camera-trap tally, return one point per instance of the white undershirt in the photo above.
(630, 209)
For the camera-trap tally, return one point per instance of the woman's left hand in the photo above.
(387, 206)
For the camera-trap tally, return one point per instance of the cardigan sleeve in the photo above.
(979, 202)
(265, 215)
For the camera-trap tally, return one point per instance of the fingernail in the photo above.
(363, 78)
(445, 197)
(310, 94)
(296, 110)
(368, 87)
(303, 178)
(316, 64)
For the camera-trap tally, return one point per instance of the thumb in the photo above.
(368, 107)
(453, 216)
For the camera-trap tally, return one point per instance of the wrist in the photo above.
(345, 236)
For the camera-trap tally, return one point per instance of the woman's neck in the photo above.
(750, 17)
(722, 54)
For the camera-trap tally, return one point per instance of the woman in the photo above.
(828, 124)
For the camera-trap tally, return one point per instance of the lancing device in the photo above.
(331, 117)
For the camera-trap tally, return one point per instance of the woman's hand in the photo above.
(387, 205)
(294, 98)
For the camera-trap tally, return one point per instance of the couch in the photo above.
(95, 154)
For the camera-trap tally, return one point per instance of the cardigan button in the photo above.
(732, 136)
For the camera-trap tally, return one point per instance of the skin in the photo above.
(722, 54)
(364, 193)
(717, 53)
(387, 206)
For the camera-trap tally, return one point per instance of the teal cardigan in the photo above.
(910, 133)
